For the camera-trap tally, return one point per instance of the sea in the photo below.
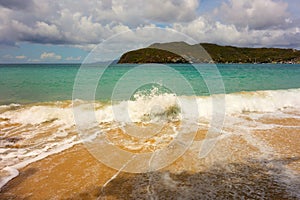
(168, 131)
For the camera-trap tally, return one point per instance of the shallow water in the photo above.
(31, 83)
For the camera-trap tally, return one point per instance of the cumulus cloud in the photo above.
(50, 56)
(11, 58)
(156, 10)
(204, 29)
(84, 24)
(246, 23)
(40, 32)
(255, 14)
(21, 57)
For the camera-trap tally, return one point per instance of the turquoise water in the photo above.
(28, 83)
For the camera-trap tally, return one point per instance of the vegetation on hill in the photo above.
(181, 52)
(230, 54)
(151, 55)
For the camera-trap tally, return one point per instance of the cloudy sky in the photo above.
(67, 30)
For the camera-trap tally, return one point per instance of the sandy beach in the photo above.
(234, 167)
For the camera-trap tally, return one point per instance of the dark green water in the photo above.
(28, 83)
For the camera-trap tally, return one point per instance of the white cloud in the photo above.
(50, 56)
(255, 14)
(156, 10)
(21, 57)
(206, 30)
(84, 24)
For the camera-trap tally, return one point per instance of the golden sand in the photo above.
(281, 121)
(76, 174)
(73, 173)
(285, 141)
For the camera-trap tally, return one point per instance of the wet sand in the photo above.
(233, 169)
(73, 173)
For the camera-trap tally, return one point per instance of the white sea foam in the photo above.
(262, 101)
(4, 108)
(158, 108)
(12, 169)
(39, 114)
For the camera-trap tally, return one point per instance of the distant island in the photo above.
(181, 52)
(151, 55)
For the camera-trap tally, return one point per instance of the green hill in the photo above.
(181, 52)
(223, 54)
(151, 55)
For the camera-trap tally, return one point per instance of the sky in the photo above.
(65, 31)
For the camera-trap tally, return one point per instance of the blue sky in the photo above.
(38, 31)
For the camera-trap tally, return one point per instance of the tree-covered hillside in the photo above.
(181, 52)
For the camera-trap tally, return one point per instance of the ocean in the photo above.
(187, 131)
(32, 83)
